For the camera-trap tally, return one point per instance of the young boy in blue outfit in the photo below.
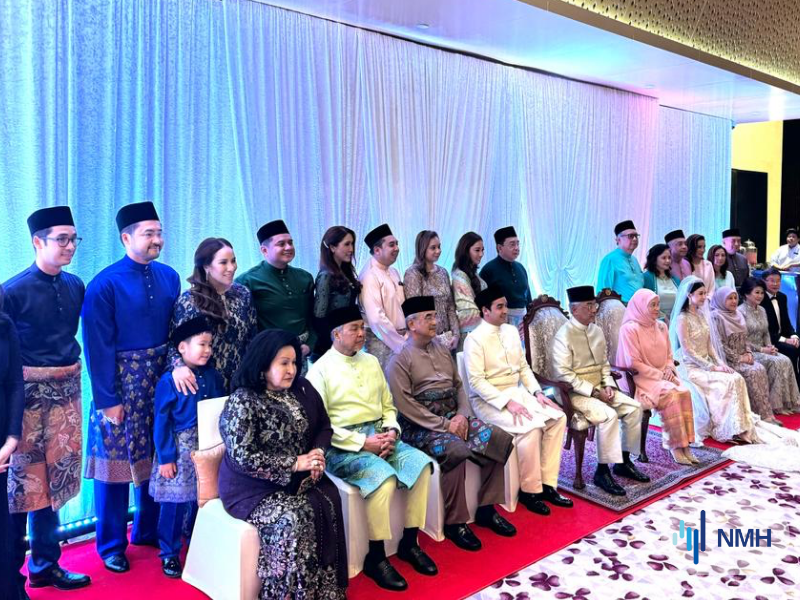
(173, 482)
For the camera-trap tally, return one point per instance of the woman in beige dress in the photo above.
(721, 404)
(784, 395)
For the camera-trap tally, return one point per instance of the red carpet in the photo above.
(461, 573)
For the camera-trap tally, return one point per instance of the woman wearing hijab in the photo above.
(732, 330)
(644, 346)
(725, 413)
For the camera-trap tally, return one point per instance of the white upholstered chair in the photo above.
(473, 472)
(223, 552)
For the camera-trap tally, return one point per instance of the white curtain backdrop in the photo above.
(229, 114)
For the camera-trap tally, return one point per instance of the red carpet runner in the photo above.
(461, 573)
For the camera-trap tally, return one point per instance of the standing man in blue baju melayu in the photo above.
(126, 316)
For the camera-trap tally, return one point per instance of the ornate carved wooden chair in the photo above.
(542, 320)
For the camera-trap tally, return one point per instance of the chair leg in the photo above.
(580, 444)
(568, 443)
(645, 428)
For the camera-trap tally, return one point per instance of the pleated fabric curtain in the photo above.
(231, 113)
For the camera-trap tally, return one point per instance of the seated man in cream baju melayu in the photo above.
(366, 450)
(579, 359)
(505, 393)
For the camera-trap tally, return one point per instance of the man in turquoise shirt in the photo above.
(619, 270)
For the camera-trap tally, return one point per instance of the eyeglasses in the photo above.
(631, 236)
(64, 240)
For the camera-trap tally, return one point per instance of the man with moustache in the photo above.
(126, 317)
(44, 302)
(579, 359)
(436, 418)
(366, 450)
(619, 270)
(382, 296)
(678, 248)
(504, 392)
(737, 263)
(282, 295)
(510, 276)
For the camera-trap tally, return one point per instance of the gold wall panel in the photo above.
(763, 35)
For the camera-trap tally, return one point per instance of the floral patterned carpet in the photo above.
(664, 473)
(635, 559)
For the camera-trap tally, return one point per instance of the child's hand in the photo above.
(168, 471)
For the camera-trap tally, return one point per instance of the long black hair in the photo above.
(464, 262)
(344, 275)
(723, 269)
(260, 353)
(691, 243)
(651, 264)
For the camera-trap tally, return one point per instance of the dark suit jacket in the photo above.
(779, 325)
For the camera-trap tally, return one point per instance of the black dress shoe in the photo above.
(606, 483)
(117, 563)
(461, 535)
(171, 567)
(59, 578)
(385, 575)
(629, 470)
(417, 558)
(497, 524)
(533, 504)
(551, 495)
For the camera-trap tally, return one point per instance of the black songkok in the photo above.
(418, 304)
(343, 316)
(136, 213)
(623, 226)
(674, 235)
(191, 328)
(502, 234)
(270, 229)
(581, 293)
(376, 235)
(484, 299)
(52, 216)
(732, 232)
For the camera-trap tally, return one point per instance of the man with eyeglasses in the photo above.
(678, 248)
(579, 359)
(619, 270)
(126, 318)
(510, 276)
(45, 303)
(436, 418)
(737, 263)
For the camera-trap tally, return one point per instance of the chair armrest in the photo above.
(564, 390)
(630, 370)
